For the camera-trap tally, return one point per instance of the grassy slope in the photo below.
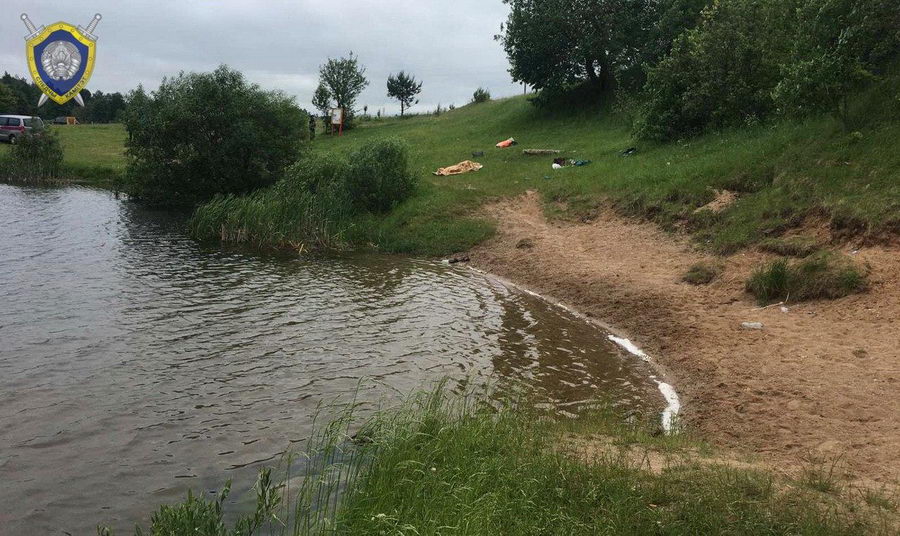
(784, 173)
(94, 154)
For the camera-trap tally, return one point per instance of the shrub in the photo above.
(379, 176)
(718, 74)
(35, 155)
(839, 46)
(200, 135)
(825, 275)
(702, 273)
(481, 95)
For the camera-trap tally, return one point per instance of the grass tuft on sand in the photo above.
(825, 275)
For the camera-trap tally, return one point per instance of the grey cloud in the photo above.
(280, 44)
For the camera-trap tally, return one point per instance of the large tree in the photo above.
(345, 79)
(404, 88)
(552, 44)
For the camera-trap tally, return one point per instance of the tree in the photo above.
(345, 80)
(322, 100)
(552, 44)
(838, 47)
(200, 135)
(404, 88)
(7, 99)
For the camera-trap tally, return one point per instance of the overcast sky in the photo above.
(280, 44)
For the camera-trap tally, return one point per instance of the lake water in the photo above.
(136, 364)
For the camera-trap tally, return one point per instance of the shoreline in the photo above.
(813, 386)
(661, 376)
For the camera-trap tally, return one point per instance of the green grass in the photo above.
(702, 273)
(442, 464)
(783, 173)
(826, 275)
(790, 247)
(94, 154)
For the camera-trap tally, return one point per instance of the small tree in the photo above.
(322, 100)
(404, 88)
(37, 155)
(345, 79)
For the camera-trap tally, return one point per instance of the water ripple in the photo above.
(135, 363)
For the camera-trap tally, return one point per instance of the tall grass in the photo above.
(315, 204)
(443, 464)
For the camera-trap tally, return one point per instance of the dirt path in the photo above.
(819, 382)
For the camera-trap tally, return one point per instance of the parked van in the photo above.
(12, 126)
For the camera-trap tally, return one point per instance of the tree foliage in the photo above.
(718, 74)
(686, 66)
(404, 88)
(553, 44)
(838, 46)
(204, 134)
(345, 80)
(322, 100)
(481, 95)
(7, 99)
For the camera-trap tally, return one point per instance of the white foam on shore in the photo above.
(673, 403)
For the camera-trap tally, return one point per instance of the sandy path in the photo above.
(819, 382)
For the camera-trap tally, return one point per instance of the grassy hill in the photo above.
(781, 174)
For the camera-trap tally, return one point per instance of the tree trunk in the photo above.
(589, 69)
(606, 74)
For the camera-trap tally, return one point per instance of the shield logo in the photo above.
(61, 58)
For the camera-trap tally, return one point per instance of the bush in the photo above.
(36, 155)
(481, 95)
(822, 276)
(379, 176)
(839, 46)
(200, 135)
(719, 74)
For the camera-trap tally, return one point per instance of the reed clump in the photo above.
(315, 203)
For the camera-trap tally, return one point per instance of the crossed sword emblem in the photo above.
(87, 32)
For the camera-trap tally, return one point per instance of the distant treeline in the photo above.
(19, 96)
(682, 67)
